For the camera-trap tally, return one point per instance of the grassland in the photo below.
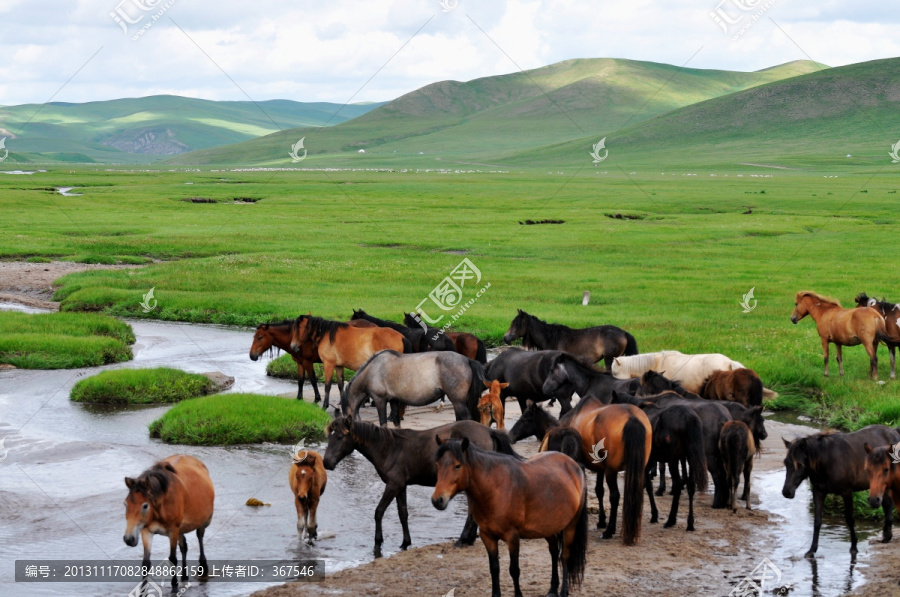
(140, 386)
(63, 340)
(284, 367)
(228, 419)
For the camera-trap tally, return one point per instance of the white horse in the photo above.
(689, 369)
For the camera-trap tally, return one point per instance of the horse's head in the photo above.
(801, 308)
(452, 470)
(653, 383)
(358, 314)
(303, 476)
(340, 441)
(757, 424)
(299, 332)
(879, 465)
(557, 383)
(534, 421)
(863, 300)
(262, 341)
(142, 502)
(797, 465)
(517, 328)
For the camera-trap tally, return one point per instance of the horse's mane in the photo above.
(276, 323)
(553, 331)
(362, 432)
(637, 364)
(818, 297)
(319, 326)
(156, 479)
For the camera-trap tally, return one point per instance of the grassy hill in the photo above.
(811, 120)
(150, 128)
(489, 118)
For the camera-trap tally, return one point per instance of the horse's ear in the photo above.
(487, 383)
(438, 439)
(504, 385)
(868, 448)
(129, 483)
(787, 442)
(520, 311)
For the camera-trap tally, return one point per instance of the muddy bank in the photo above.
(31, 284)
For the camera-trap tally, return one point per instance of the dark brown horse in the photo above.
(836, 463)
(569, 375)
(544, 497)
(842, 327)
(738, 448)
(739, 385)
(466, 344)
(405, 457)
(588, 344)
(891, 314)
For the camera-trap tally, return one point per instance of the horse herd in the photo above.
(699, 414)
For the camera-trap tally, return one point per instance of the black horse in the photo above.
(568, 375)
(535, 421)
(404, 457)
(587, 344)
(525, 371)
(835, 463)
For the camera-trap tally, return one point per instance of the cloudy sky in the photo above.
(372, 50)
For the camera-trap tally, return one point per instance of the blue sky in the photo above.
(372, 50)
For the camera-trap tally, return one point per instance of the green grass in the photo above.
(284, 367)
(834, 506)
(63, 340)
(140, 386)
(227, 419)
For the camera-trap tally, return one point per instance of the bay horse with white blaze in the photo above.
(509, 500)
(173, 497)
(587, 344)
(842, 327)
(307, 478)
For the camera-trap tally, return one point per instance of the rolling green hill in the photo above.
(150, 128)
(489, 118)
(811, 120)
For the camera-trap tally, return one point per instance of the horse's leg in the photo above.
(873, 359)
(662, 479)
(840, 359)
(598, 489)
(403, 511)
(748, 469)
(848, 516)
(182, 543)
(147, 540)
(887, 505)
(390, 493)
(312, 527)
(893, 349)
(203, 571)
(469, 533)
(340, 380)
(173, 556)
(460, 409)
(313, 380)
(381, 407)
(329, 370)
(691, 488)
(490, 544)
(819, 503)
(612, 481)
(677, 485)
(553, 545)
(512, 543)
(301, 377)
(648, 484)
(676, 476)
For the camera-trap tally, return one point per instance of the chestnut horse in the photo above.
(342, 345)
(173, 497)
(843, 327)
(883, 466)
(307, 478)
(738, 385)
(891, 314)
(543, 497)
(491, 404)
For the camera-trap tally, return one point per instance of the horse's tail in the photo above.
(755, 392)
(696, 453)
(481, 352)
(407, 345)
(577, 561)
(502, 443)
(631, 348)
(475, 386)
(634, 435)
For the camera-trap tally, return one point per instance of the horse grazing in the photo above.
(589, 345)
(738, 448)
(836, 463)
(490, 406)
(688, 369)
(526, 371)
(342, 345)
(173, 497)
(891, 314)
(307, 478)
(843, 327)
(278, 335)
(543, 497)
(738, 385)
(883, 467)
(416, 379)
(568, 375)
(403, 457)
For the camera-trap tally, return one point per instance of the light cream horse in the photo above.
(691, 370)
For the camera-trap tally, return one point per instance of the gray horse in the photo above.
(416, 379)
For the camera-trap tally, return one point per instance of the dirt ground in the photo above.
(31, 284)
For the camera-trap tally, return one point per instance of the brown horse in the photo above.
(469, 345)
(173, 497)
(491, 404)
(739, 385)
(883, 466)
(843, 327)
(307, 478)
(342, 345)
(891, 314)
(737, 448)
(543, 497)
(614, 438)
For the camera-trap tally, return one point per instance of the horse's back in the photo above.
(841, 456)
(197, 491)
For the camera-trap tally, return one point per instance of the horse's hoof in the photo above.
(405, 546)
(607, 535)
(659, 492)
(690, 528)
(654, 519)
(886, 539)
(461, 543)
(377, 552)
(810, 555)
(601, 525)
(669, 524)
